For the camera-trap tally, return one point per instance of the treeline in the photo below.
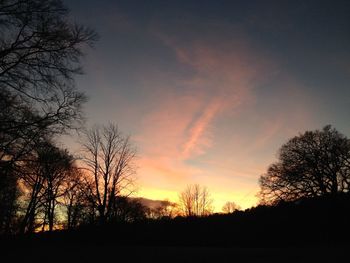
(42, 185)
(309, 223)
(49, 189)
(40, 52)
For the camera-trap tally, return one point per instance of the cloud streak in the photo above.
(197, 140)
(181, 127)
(223, 81)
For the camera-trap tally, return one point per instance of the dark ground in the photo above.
(309, 231)
(111, 253)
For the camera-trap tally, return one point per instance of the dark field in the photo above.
(310, 231)
(111, 253)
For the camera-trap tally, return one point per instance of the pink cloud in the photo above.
(224, 80)
(181, 135)
(196, 140)
(180, 117)
(181, 125)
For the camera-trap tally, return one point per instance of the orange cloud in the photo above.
(181, 126)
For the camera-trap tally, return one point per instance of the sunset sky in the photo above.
(209, 90)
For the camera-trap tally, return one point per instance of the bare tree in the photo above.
(109, 158)
(40, 49)
(43, 180)
(195, 201)
(316, 163)
(77, 199)
(40, 52)
(59, 167)
(230, 207)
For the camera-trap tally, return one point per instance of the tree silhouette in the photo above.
(44, 180)
(195, 201)
(230, 207)
(109, 158)
(316, 163)
(127, 210)
(57, 166)
(8, 198)
(40, 52)
(77, 199)
(164, 209)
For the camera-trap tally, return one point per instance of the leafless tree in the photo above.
(43, 180)
(109, 158)
(77, 199)
(58, 168)
(195, 201)
(230, 207)
(315, 163)
(40, 49)
(40, 52)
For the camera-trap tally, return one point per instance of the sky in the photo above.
(210, 90)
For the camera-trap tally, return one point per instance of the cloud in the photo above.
(205, 120)
(220, 81)
(207, 102)
(196, 139)
(224, 78)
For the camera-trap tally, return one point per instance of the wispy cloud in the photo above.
(223, 81)
(198, 137)
(181, 126)
(181, 116)
(208, 96)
